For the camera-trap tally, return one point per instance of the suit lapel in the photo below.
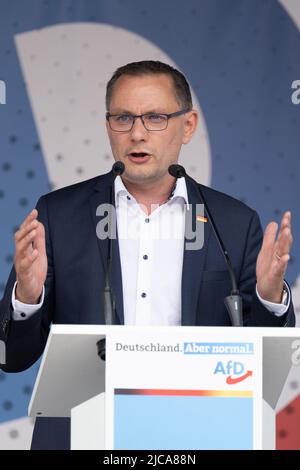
(193, 265)
(116, 281)
(102, 195)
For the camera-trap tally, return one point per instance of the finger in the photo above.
(25, 228)
(39, 239)
(285, 240)
(22, 232)
(286, 220)
(31, 216)
(24, 246)
(26, 263)
(280, 265)
(270, 236)
(34, 239)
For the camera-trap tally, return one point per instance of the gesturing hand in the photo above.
(30, 259)
(273, 259)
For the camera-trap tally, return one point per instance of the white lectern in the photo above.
(165, 387)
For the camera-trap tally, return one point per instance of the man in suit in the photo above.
(60, 263)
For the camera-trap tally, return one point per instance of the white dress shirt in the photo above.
(151, 254)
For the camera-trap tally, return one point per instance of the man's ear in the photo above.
(190, 125)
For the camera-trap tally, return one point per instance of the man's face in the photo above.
(148, 94)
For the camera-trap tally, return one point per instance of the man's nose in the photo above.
(138, 131)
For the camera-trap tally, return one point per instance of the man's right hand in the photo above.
(30, 259)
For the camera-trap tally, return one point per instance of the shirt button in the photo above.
(128, 197)
(23, 315)
(145, 257)
(147, 220)
(144, 295)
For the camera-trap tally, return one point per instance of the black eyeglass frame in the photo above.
(135, 116)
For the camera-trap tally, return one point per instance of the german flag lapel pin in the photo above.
(201, 218)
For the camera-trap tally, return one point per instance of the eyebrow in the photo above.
(151, 111)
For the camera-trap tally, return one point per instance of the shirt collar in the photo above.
(180, 191)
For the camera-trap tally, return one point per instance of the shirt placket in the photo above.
(145, 267)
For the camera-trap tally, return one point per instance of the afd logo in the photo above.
(230, 368)
(2, 92)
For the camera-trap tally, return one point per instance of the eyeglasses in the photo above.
(151, 121)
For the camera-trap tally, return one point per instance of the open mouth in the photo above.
(139, 157)
(138, 154)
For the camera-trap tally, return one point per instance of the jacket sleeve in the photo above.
(255, 314)
(25, 340)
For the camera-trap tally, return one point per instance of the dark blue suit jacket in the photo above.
(77, 261)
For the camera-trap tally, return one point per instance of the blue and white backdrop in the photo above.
(240, 57)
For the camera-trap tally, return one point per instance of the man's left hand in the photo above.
(273, 259)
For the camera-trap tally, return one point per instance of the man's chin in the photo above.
(140, 176)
